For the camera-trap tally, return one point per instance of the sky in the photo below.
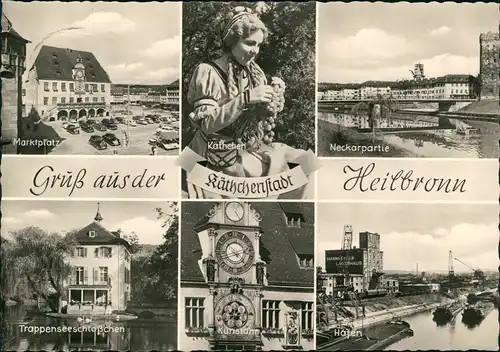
(57, 216)
(416, 233)
(382, 41)
(137, 43)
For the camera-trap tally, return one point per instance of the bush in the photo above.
(289, 54)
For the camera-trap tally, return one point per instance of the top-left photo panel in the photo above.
(90, 78)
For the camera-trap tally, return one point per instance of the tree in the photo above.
(133, 241)
(289, 53)
(155, 278)
(40, 258)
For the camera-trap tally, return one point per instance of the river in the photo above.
(452, 336)
(434, 144)
(135, 335)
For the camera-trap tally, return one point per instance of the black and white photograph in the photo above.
(408, 80)
(248, 91)
(90, 78)
(247, 276)
(89, 276)
(407, 277)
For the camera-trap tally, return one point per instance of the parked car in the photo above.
(155, 119)
(73, 129)
(132, 123)
(97, 142)
(168, 144)
(111, 126)
(149, 120)
(120, 119)
(65, 124)
(73, 120)
(111, 139)
(99, 127)
(141, 122)
(87, 128)
(90, 122)
(165, 127)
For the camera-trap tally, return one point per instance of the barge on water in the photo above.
(446, 313)
(373, 338)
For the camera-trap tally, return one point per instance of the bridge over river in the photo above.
(443, 104)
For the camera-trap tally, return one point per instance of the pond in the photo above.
(141, 334)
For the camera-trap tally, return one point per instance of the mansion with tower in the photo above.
(100, 279)
(247, 276)
(66, 83)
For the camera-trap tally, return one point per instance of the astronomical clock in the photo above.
(230, 239)
(79, 76)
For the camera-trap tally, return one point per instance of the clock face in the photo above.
(79, 87)
(79, 73)
(234, 252)
(235, 211)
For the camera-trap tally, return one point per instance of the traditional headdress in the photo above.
(240, 12)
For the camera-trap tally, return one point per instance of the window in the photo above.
(127, 276)
(105, 252)
(92, 234)
(46, 86)
(63, 86)
(95, 87)
(54, 100)
(307, 315)
(87, 99)
(81, 252)
(270, 314)
(94, 99)
(86, 87)
(63, 100)
(79, 275)
(54, 86)
(45, 101)
(103, 88)
(194, 312)
(24, 92)
(103, 274)
(103, 100)
(71, 87)
(306, 260)
(293, 220)
(71, 100)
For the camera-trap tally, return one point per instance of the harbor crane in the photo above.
(478, 273)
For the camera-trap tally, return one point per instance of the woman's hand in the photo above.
(261, 94)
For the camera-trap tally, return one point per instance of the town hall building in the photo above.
(247, 276)
(67, 83)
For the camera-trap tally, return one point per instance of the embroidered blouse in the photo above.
(217, 115)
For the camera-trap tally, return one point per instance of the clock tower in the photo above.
(79, 76)
(231, 265)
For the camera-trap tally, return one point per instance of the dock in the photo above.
(374, 338)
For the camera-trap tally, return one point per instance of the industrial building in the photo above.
(360, 268)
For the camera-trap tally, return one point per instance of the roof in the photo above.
(8, 29)
(102, 236)
(169, 135)
(280, 244)
(54, 63)
(174, 84)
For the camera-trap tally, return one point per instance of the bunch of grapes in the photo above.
(274, 107)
